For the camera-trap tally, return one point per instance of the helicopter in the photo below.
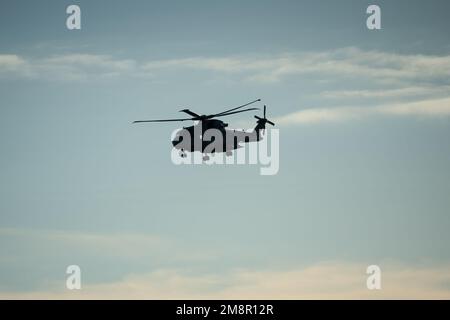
(208, 131)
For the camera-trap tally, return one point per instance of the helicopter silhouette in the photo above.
(201, 136)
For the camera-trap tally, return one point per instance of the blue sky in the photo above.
(364, 120)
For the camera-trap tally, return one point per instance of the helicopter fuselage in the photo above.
(211, 136)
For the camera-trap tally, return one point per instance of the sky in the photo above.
(363, 118)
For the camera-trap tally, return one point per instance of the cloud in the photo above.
(432, 108)
(81, 66)
(106, 244)
(428, 108)
(324, 280)
(346, 62)
(71, 67)
(349, 62)
(231, 64)
(330, 280)
(414, 76)
(413, 91)
(10, 62)
(113, 244)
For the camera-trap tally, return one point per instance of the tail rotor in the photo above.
(262, 121)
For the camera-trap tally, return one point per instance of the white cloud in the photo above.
(11, 64)
(113, 244)
(429, 108)
(408, 92)
(328, 280)
(90, 60)
(10, 61)
(346, 62)
(341, 62)
(213, 64)
(432, 108)
(67, 67)
(125, 244)
(333, 280)
(419, 76)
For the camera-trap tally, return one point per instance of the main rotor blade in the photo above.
(162, 120)
(244, 105)
(270, 122)
(229, 113)
(191, 113)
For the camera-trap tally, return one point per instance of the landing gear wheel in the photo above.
(205, 158)
(229, 153)
(182, 154)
